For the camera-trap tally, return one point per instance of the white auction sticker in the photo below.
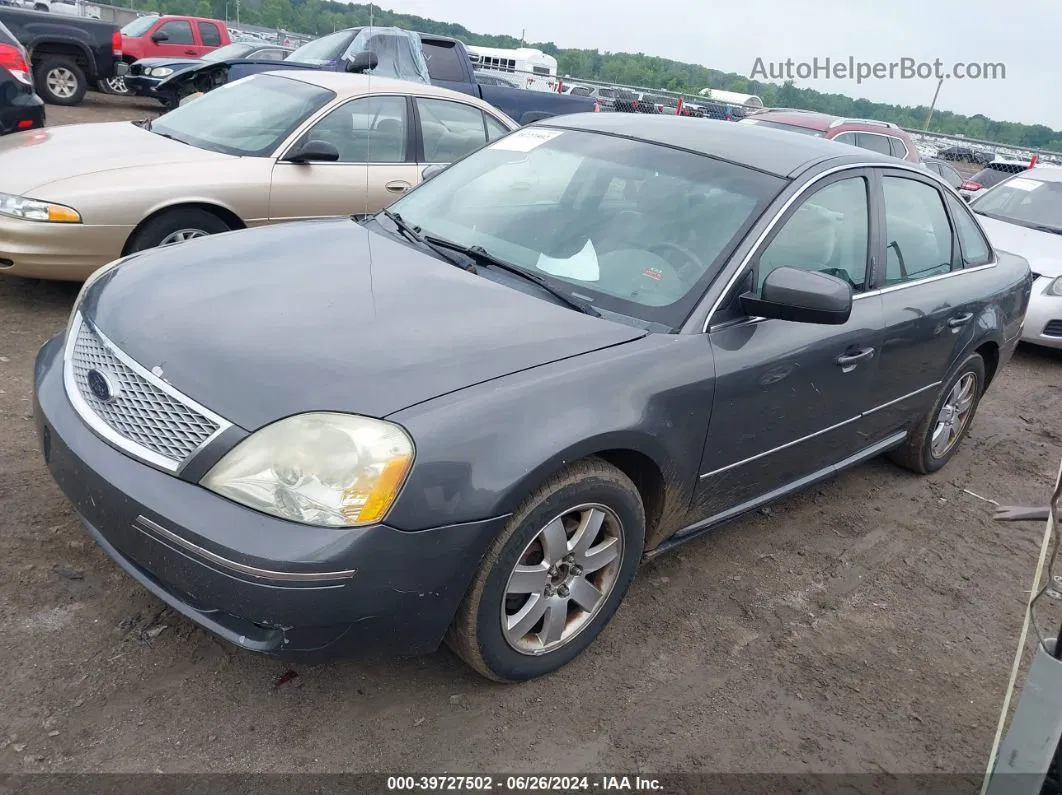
(1024, 183)
(525, 140)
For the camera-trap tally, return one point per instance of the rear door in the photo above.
(375, 139)
(930, 298)
(448, 130)
(209, 36)
(790, 396)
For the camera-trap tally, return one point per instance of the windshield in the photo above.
(324, 50)
(249, 117)
(237, 50)
(635, 228)
(1023, 200)
(138, 27)
(777, 125)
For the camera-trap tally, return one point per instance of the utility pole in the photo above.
(523, 33)
(933, 105)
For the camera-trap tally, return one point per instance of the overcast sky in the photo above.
(1022, 34)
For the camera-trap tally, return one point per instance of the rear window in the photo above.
(6, 37)
(606, 92)
(444, 62)
(580, 91)
(324, 50)
(987, 177)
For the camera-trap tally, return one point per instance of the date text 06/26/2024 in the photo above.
(448, 783)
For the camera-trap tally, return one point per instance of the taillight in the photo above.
(116, 43)
(597, 107)
(968, 185)
(11, 58)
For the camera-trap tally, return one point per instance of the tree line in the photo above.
(319, 17)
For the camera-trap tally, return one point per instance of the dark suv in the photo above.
(877, 136)
(20, 107)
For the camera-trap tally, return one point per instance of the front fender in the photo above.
(482, 450)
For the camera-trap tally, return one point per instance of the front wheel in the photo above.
(116, 86)
(177, 226)
(936, 439)
(554, 577)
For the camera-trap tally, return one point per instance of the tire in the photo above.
(60, 81)
(581, 491)
(114, 86)
(917, 453)
(172, 223)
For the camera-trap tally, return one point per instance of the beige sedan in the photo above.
(273, 147)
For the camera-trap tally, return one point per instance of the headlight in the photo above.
(1055, 288)
(33, 210)
(161, 71)
(324, 469)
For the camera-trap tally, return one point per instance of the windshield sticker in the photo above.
(1024, 183)
(582, 266)
(653, 273)
(524, 140)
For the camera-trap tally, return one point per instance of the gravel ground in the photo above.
(867, 625)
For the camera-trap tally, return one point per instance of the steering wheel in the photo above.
(691, 258)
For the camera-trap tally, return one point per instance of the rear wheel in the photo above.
(936, 439)
(178, 226)
(60, 81)
(554, 577)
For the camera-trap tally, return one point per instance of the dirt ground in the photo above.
(867, 625)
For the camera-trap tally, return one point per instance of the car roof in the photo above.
(777, 152)
(345, 83)
(1044, 174)
(810, 119)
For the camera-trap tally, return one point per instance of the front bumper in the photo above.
(262, 583)
(65, 252)
(143, 86)
(1043, 318)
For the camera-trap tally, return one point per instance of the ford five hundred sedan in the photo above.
(470, 416)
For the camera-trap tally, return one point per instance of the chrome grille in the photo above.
(139, 411)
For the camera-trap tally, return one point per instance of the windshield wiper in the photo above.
(1054, 230)
(413, 233)
(485, 257)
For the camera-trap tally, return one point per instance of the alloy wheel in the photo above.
(954, 415)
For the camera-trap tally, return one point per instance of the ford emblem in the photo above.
(101, 386)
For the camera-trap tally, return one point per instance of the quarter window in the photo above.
(828, 233)
(366, 130)
(899, 148)
(975, 249)
(450, 130)
(918, 235)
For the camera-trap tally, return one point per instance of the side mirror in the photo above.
(965, 196)
(802, 297)
(314, 152)
(362, 62)
(159, 36)
(433, 171)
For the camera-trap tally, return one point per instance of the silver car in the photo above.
(1023, 215)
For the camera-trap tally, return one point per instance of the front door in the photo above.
(789, 397)
(179, 42)
(376, 165)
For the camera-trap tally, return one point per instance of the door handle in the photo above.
(847, 361)
(960, 320)
(397, 186)
(189, 52)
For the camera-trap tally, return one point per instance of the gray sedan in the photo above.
(471, 416)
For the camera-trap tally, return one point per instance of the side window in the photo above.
(845, 138)
(874, 142)
(951, 176)
(366, 130)
(899, 148)
(270, 55)
(495, 129)
(179, 32)
(917, 232)
(209, 34)
(975, 249)
(828, 233)
(450, 129)
(580, 91)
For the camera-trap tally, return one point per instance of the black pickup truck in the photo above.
(68, 54)
(448, 66)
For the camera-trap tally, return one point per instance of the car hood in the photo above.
(32, 160)
(326, 316)
(1043, 250)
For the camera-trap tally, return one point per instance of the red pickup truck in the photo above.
(172, 36)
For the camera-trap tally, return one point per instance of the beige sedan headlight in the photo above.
(323, 468)
(33, 210)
